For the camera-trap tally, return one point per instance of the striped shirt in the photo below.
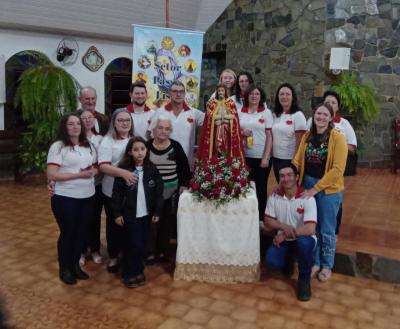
(165, 161)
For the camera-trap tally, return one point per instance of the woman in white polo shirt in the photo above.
(111, 150)
(256, 123)
(71, 163)
(243, 82)
(92, 245)
(288, 128)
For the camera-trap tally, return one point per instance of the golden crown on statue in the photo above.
(167, 43)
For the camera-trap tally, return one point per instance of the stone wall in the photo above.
(371, 28)
(290, 41)
(275, 40)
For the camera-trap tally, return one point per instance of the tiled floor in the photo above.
(36, 299)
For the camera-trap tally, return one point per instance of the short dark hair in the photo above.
(289, 165)
(278, 107)
(249, 90)
(138, 84)
(333, 94)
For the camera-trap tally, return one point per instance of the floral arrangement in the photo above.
(220, 180)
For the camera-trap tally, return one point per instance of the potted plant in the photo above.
(357, 99)
(44, 93)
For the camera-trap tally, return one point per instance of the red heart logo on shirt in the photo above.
(261, 120)
(300, 210)
(190, 120)
(289, 122)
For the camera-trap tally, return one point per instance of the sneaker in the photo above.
(82, 260)
(324, 275)
(112, 266)
(303, 290)
(97, 258)
(131, 283)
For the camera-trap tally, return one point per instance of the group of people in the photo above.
(137, 164)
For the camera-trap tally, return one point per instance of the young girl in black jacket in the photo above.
(134, 206)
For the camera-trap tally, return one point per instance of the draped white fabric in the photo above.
(228, 235)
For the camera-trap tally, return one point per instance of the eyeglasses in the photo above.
(176, 92)
(124, 120)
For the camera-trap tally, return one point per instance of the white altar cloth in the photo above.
(218, 244)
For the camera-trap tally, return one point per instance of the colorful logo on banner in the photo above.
(162, 55)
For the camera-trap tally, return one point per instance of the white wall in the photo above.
(14, 41)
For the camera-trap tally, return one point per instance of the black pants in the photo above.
(114, 232)
(260, 177)
(135, 236)
(94, 225)
(71, 215)
(164, 230)
(278, 163)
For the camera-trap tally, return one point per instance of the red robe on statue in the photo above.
(221, 136)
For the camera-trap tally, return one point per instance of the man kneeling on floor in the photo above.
(292, 219)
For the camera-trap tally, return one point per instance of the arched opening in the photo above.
(117, 80)
(10, 137)
(15, 66)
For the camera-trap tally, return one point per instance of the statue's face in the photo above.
(221, 93)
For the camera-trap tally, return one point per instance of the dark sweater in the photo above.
(124, 198)
(172, 164)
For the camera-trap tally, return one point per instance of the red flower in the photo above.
(261, 120)
(228, 161)
(300, 210)
(220, 183)
(228, 191)
(214, 160)
(216, 192)
(289, 122)
(219, 170)
(208, 177)
(243, 181)
(195, 186)
(190, 119)
(235, 172)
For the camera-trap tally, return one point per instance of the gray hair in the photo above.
(176, 83)
(111, 129)
(157, 119)
(86, 89)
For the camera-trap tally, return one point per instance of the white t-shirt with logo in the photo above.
(258, 122)
(111, 151)
(294, 212)
(72, 159)
(184, 126)
(284, 134)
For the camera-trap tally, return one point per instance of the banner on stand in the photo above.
(162, 55)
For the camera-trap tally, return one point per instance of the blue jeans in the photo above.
(276, 257)
(327, 209)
